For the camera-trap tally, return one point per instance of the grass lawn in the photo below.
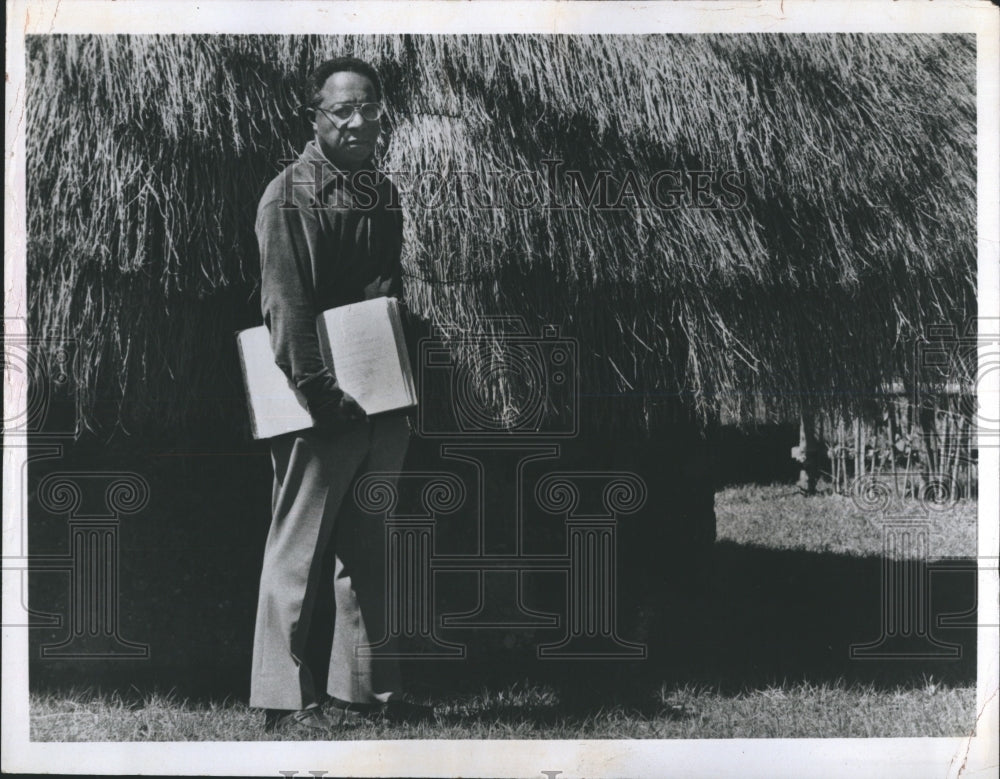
(780, 517)
(768, 664)
(526, 712)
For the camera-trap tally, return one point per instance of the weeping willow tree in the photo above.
(855, 230)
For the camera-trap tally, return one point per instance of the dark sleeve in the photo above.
(287, 238)
(396, 288)
(388, 226)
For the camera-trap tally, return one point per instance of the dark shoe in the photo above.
(312, 720)
(346, 716)
(396, 711)
(354, 711)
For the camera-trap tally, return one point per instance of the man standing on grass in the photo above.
(328, 237)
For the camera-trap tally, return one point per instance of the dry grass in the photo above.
(858, 230)
(780, 517)
(528, 712)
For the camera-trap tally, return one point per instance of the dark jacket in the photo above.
(326, 239)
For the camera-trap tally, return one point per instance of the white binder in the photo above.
(363, 343)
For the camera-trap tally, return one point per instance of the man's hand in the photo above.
(332, 409)
(335, 416)
(378, 288)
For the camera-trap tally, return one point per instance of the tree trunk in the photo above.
(807, 452)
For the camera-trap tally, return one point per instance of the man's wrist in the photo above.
(321, 392)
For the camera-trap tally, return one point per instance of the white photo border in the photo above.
(952, 757)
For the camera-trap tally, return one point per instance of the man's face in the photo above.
(346, 144)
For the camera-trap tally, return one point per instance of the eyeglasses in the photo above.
(342, 113)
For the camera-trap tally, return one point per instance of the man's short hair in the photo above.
(326, 69)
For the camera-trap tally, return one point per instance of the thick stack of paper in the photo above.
(362, 342)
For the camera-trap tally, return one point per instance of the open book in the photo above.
(362, 342)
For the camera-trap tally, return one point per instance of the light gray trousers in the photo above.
(313, 505)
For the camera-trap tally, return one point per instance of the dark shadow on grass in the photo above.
(742, 617)
(757, 618)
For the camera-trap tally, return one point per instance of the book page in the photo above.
(366, 356)
(275, 406)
